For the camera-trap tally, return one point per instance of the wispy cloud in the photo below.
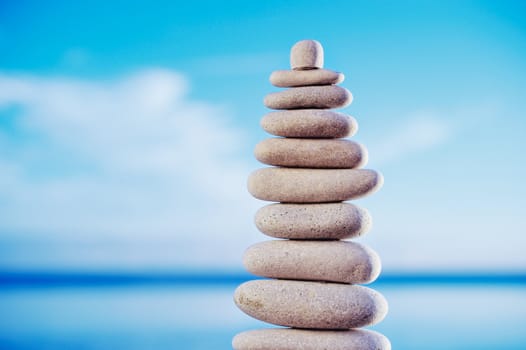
(131, 160)
(419, 132)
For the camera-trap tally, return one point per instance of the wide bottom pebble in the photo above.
(299, 339)
(313, 305)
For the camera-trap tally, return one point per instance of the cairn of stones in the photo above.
(314, 271)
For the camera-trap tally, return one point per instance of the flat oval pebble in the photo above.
(308, 339)
(296, 185)
(306, 54)
(331, 261)
(293, 78)
(308, 153)
(313, 221)
(316, 305)
(328, 96)
(310, 123)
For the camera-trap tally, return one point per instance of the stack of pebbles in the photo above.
(313, 274)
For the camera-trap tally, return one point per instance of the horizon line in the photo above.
(107, 279)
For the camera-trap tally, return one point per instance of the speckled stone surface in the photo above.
(333, 261)
(329, 96)
(313, 221)
(309, 153)
(293, 78)
(296, 185)
(309, 123)
(315, 305)
(303, 339)
(306, 54)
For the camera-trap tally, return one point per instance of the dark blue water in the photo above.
(424, 314)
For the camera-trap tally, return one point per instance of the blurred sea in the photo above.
(425, 313)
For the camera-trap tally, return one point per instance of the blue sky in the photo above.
(127, 129)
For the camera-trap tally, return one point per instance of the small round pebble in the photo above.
(306, 54)
(308, 339)
(316, 305)
(311, 153)
(313, 221)
(293, 78)
(328, 96)
(309, 123)
(297, 185)
(333, 261)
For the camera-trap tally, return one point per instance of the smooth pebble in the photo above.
(332, 261)
(317, 305)
(296, 185)
(293, 78)
(306, 54)
(328, 96)
(309, 123)
(311, 153)
(313, 221)
(307, 339)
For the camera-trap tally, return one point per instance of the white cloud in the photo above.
(131, 161)
(419, 132)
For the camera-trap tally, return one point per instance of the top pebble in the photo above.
(306, 54)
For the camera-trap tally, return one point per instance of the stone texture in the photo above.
(293, 78)
(316, 305)
(303, 339)
(313, 221)
(311, 153)
(328, 96)
(331, 261)
(309, 123)
(306, 54)
(294, 185)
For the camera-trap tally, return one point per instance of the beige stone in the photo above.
(313, 221)
(311, 153)
(306, 54)
(331, 261)
(328, 96)
(309, 339)
(293, 78)
(296, 185)
(317, 305)
(309, 123)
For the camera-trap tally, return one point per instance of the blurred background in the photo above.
(126, 138)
